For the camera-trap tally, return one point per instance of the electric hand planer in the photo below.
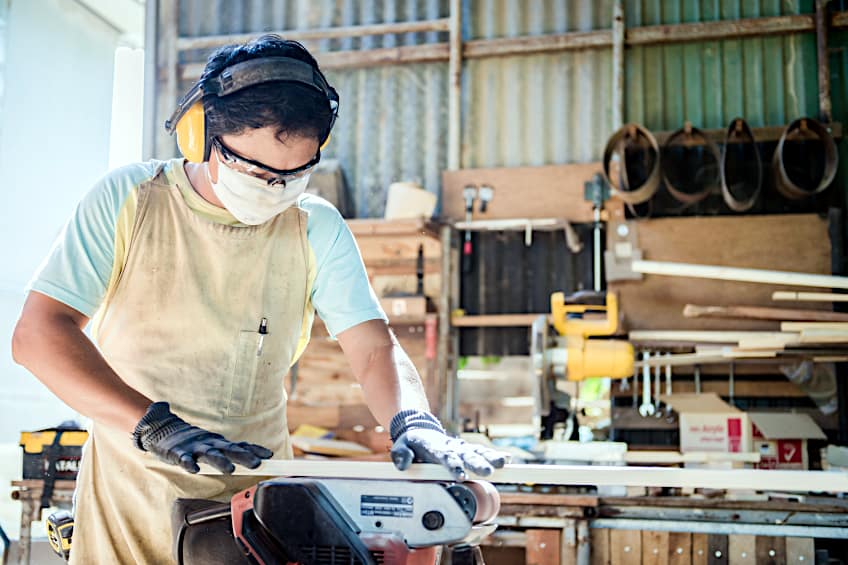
(320, 521)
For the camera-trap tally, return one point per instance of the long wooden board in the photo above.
(786, 243)
(745, 479)
(522, 192)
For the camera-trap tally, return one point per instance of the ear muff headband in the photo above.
(189, 119)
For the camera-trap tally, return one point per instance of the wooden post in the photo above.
(455, 86)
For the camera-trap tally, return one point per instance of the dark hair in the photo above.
(294, 109)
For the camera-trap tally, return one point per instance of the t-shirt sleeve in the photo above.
(341, 294)
(78, 267)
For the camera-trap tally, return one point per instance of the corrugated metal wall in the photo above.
(768, 81)
(525, 110)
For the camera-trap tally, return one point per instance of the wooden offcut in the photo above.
(762, 313)
(522, 192)
(797, 242)
(543, 547)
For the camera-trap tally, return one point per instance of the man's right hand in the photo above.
(175, 441)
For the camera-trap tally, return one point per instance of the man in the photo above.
(203, 276)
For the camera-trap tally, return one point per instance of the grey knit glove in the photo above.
(419, 436)
(173, 440)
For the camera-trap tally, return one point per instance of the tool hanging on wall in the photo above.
(739, 145)
(597, 192)
(646, 408)
(469, 193)
(620, 172)
(684, 152)
(800, 131)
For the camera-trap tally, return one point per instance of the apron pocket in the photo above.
(249, 358)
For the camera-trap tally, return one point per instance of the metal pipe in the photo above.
(596, 250)
(617, 65)
(721, 528)
(455, 85)
(823, 62)
(213, 41)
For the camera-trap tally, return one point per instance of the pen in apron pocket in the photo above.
(263, 330)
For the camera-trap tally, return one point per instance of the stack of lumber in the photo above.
(326, 393)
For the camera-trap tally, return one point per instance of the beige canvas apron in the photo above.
(181, 327)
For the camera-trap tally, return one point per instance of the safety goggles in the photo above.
(255, 169)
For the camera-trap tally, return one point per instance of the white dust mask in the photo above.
(251, 200)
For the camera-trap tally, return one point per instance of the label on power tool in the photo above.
(378, 505)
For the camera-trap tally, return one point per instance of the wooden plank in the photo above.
(742, 550)
(800, 550)
(599, 546)
(375, 226)
(568, 543)
(679, 548)
(543, 499)
(700, 547)
(762, 313)
(522, 192)
(654, 548)
(543, 547)
(494, 320)
(736, 274)
(756, 388)
(716, 549)
(804, 326)
(687, 336)
(822, 336)
(744, 479)
(778, 242)
(625, 547)
(771, 550)
(329, 446)
(809, 296)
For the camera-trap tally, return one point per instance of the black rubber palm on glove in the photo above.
(419, 436)
(175, 441)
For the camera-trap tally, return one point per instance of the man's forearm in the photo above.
(391, 383)
(55, 349)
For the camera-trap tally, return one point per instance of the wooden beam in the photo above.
(737, 274)
(762, 313)
(642, 336)
(805, 326)
(745, 479)
(809, 296)
(494, 320)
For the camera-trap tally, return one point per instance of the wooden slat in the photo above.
(654, 548)
(736, 274)
(679, 548)
(543, 547)
(800, 550)
(700, 547)
(779, 242)
(762, 313)
(541, 499)
(742, 550)
(494, 320)
(568, 543)
(810, 296)
(522, 192)
(599, 548)
(625, 547)
(694, 336)
(804, 326)
(716, 549)
(771, 550)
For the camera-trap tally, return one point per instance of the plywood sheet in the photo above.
(796, 243)
(543, 547)
(679, 548)
(552, 191)
(654, 548)
(625, 547)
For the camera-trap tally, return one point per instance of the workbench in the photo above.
(28, 492)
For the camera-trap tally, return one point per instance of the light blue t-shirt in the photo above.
(91, 251)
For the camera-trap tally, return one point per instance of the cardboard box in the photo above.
(781, 439)
(404, 306)
(707, 423)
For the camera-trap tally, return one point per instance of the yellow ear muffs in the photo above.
(323, 145)
(191, 133)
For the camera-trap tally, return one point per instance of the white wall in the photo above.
(54, 143)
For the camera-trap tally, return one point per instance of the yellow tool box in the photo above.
(53, 453)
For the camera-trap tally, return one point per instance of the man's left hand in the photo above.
(419, 437)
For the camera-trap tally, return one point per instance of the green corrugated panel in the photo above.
(767, 81)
